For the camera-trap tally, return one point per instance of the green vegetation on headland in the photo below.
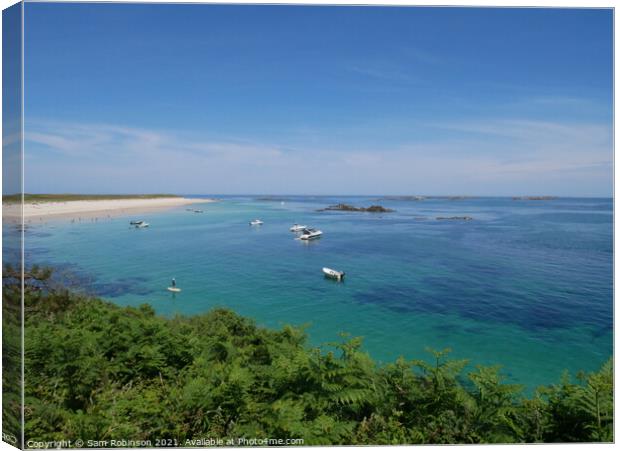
(98, 371)
(31, 198)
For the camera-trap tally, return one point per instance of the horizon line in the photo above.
(320, 195)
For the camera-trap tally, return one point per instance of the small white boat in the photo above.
(298, 228)
(256, 222)
(198, 211)
(135, 222)
(333, 274)
(174, 289)
(141, 225)
(310, 234)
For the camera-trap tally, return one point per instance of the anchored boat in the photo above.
(298, 228)
(310, 234)
(256, 222)
(333, 274)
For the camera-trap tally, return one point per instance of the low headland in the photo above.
(82, 206)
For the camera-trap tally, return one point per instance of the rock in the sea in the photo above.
(346, 207)
(377, 209)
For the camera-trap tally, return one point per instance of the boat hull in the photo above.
(310, 234)
(333, 274)
(309, 237)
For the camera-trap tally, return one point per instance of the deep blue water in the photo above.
(525, 284)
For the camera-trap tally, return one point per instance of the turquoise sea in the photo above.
(525, 284)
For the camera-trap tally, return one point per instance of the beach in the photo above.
(89, 209)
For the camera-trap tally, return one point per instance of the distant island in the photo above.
(419, 198)
(534, 198)
(450, 197)
(403, 198)
(347, 207)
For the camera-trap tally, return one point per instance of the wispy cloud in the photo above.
(92, 141)
(525, 129)
(137, 158)
(529, 138)
(476, 156)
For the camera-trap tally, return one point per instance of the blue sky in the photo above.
(317, 100)
(11, 100)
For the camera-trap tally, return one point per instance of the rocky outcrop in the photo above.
(347, 207)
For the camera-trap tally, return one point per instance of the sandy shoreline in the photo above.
(89, 209)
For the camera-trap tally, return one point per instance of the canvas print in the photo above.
(255, 225)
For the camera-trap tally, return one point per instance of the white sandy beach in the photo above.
(83, 209)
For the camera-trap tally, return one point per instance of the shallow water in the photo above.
(525, 284)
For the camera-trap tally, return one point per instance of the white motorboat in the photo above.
(333, 274)
(298, 228)
(256, 222)
(198, 211)
(135, 222)
(310, 234)
(141, 225)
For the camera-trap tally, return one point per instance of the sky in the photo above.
(11, 100)
(223, 99)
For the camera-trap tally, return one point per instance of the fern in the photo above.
(96, 370)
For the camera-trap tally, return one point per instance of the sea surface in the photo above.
(526, 284)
